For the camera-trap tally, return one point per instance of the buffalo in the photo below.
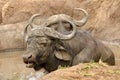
(58, 42)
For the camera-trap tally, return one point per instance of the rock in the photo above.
(20, 10)
(2, 2)
(106, 22)
(103, 20)
(102, 28)
(11, 36)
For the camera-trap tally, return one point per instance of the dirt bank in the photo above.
(89, 71)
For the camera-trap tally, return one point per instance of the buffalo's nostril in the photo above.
(30, 57)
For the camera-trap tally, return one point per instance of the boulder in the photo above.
(20, 10)
(106, 24)
(11, 37)
(2, 3)
(103, 20)
(103, 15)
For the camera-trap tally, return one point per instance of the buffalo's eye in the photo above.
(44, 44)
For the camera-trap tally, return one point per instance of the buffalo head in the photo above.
(39, 39)
(40, 44)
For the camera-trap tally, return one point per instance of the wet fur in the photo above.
(82, 47)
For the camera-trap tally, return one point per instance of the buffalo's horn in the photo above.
(53, 33)
(82, 22)
(30, 22)
(25, 32)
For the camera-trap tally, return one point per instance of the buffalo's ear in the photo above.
(63, 55)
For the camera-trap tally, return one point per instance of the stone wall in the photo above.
(2, 3)
(103, 23)
(11, 37)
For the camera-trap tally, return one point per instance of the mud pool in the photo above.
(13, 68)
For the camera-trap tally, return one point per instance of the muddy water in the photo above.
(13, 68)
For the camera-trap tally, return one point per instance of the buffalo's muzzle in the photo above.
(29, 60)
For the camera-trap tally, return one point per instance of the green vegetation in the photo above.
(114, 71)
(63, 67)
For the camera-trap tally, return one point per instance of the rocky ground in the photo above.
(103, 23)
(90, 71)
